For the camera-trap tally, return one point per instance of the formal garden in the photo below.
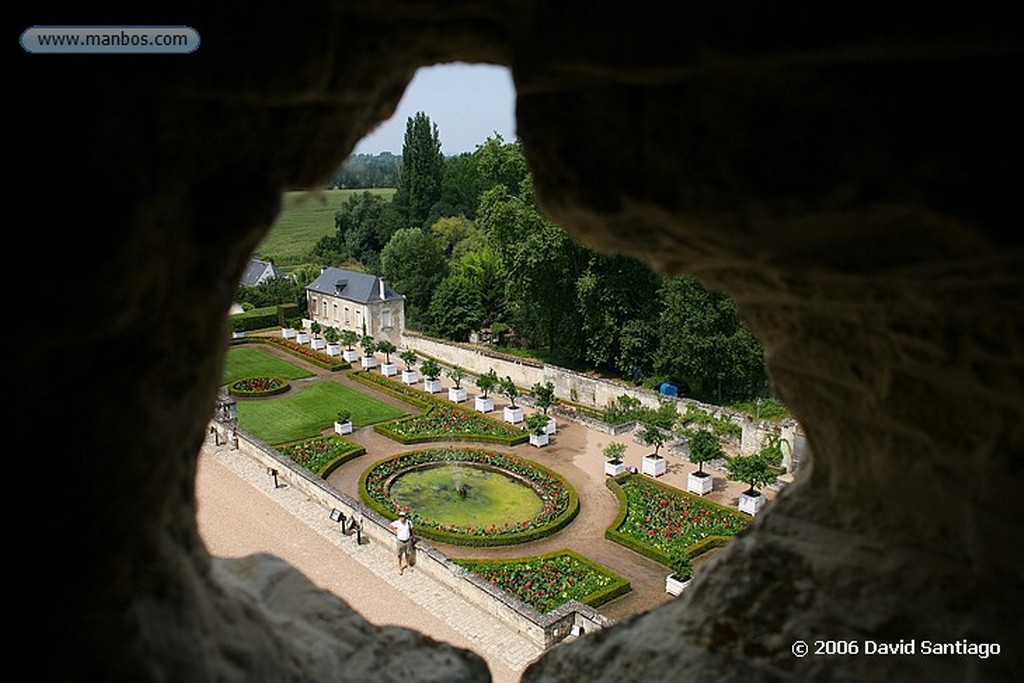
(477, 497)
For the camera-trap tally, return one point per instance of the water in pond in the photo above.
(464, 495)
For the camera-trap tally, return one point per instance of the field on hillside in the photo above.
(305, 217)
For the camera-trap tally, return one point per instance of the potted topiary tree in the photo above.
(544, 398)
(343, 423)
(333, 345)
(486, 383)
(317, 343)
(758, 469)
(614, 465)
(410, 359)
(349, 338)
(653, 464)
(457, 393)
(537, 426)
(289, 331)
(431, 375)
(704, 447)
(681, 564)
(387, 368)
(512, 413)
(369, 347)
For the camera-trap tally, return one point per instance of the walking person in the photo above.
(404, 533)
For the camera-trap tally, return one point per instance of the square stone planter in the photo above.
(302, 337)
(457, 395)
(350, 355)
(288, 332)
(410, 377)
(699, 483)
(674, 586)
(318, 344)
(333, 349)
(654, 465)
(484, 405)
(388, 369)
(513, 415)
(539, 440)
(752, 504)
(432, 386)
(613, 468)
(368, 362)
(343, 427)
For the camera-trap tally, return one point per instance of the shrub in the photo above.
(256, 319)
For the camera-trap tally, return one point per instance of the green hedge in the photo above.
(612, 533)
(427, 402)
(286, 313)
(472, 540)
(256, 319)
(298, 350)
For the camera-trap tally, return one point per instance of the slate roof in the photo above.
(256, 269)
(348, 284)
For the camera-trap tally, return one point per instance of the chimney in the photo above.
(381, 281)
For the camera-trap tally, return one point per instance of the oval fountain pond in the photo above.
(466, 496)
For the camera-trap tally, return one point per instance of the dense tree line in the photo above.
(367, 171)
(463, 239)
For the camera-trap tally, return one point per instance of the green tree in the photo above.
(704, 447)
(449, 231)
(461, 187)
(414, 266)
(276, 290)
(348, 338)
(456, 308)
(615, 450)
(431, 370)
(487, 382)
(543, 396)
(410, 359)
(387, 348)
(753, 469)
(456, 375)
(368, 346)
(703, 345)
(536, 424)
(653, 436)
(419, 182)
(502, 164)
(364, 223)
(613, 291)
(509, 390)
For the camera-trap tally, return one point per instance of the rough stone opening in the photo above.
(848, 182)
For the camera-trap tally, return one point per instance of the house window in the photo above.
(385, 319)
(335, 316)
(348, 316)
(325, 308)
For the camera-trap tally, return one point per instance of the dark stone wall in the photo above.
(847, 177)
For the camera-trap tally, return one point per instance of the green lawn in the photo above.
(245, 361)
(305, 217)
(310, 410)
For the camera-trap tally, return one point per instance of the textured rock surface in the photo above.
(850, 184)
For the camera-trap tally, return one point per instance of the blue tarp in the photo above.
(667, 389)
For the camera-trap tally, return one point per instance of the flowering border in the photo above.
(656, 543)
(545, 582)
(298, 350)
(560, 502)
(321, 455)
(258, 387)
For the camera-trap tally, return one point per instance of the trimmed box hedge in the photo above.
(256, 319)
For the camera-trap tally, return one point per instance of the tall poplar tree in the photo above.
(419, 183)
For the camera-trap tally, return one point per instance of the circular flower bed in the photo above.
(258, 386)
(560, 501)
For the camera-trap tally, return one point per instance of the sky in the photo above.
(468, 102)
